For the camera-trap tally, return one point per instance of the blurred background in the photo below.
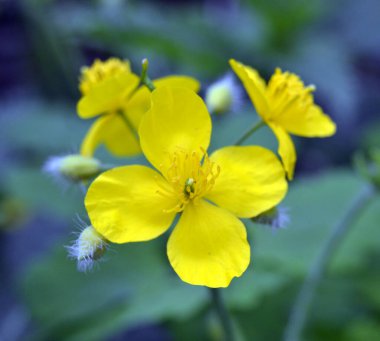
(134, 294)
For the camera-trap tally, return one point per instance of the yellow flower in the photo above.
(286, 106)
(135, 203)
(110, 91)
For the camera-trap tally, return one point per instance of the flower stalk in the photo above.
(223, 315)
(249, 132)
(129, 124)
(144, 79)
(299, 314)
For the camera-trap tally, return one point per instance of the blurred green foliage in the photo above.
(136, 283)
(323, 41)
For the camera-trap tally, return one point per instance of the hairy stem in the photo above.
(299, 314)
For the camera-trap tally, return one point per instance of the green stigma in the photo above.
(189, 186)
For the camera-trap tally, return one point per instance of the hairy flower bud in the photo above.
(73, 167)
(224, 95)
(277, 217)
(88, 248)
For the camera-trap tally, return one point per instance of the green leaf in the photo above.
(37, 192)
(248, 291)
(315, 205)
(135, 284)
(40, 127)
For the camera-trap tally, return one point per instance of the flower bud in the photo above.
(73, 167)
(88, 248)
(277, 217)
(224, 95)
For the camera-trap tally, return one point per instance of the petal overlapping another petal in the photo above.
(107, 96)
(251, 180)
(140, 101)
(177, 120)
(312, 123)
(208, 246)
(125, 205)
(178, 81)
(114, 133)
(254, 85)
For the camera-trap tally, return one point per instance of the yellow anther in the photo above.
(286, 91)
(191, 175)
(101, 70)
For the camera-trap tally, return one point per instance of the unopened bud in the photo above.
(224, 95)
(276, 217)
(73, 167)
(88, 248)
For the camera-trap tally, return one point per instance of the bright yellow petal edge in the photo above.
(177, 120)
(251, 180)
(107, 96)
(124, 205)
(313, 123)
(254, 85)
(111, 131)
(286, 149)
(208, 246)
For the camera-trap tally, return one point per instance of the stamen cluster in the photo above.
(101, 70)
(286, 90)
(192, 176)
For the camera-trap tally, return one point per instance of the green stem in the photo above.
(223, 315)
(249, 132)
(144, 78)
(129, 124)
(148, 83)
(82, 187)
(299, 314)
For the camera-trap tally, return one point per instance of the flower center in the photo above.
(189, 186)
(191, 175)
(287, 91)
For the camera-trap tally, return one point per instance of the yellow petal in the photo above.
(112, 131)
(208, 246)
(254, 85)
(100, 70)
(124, 204)
(286, 149)
(312, 123)
(139, 103)
(178, 81)
(177, 120)
(109, 95)
(251, 180)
